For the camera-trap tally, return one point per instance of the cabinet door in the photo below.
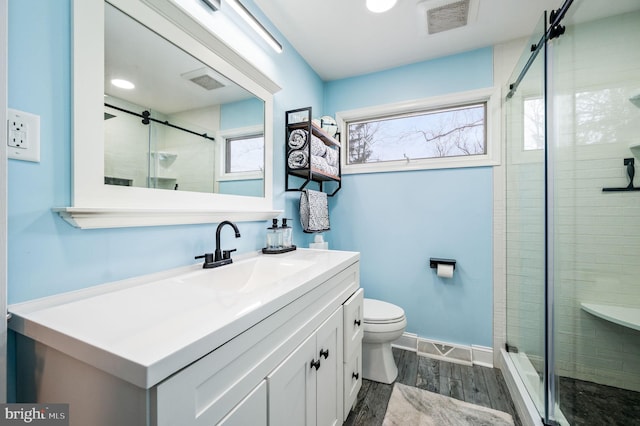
(250, 411)
(329, 387)
(353, 325)
(352, 379)
(292, 388)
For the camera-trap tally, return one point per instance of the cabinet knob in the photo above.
(357, 322)
(355, 376)
(324, 353)
(315, 363)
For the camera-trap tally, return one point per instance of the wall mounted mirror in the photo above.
(171, 121)
(169, 151)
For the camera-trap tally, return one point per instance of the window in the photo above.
(240, 154)
(533, 124)
(244, 154)
(450, 131)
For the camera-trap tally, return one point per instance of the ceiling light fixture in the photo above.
(255, 24)
(123, 84)
(379, 6)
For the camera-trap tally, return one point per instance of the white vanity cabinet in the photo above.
(305, 389)
(251, 410)
(255, 367)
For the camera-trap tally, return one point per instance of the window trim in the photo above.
(493, 122)
(221, 138)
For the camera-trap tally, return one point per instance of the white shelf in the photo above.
(96, 218)
(627, 317)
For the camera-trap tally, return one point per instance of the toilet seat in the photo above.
(379, 312)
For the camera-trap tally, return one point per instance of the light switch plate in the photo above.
(23, 135)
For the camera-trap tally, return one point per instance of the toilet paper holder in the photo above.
(434, 261)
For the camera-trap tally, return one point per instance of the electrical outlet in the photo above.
(23, 138)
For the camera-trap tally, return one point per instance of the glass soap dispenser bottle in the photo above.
(274, 237)
(287, 234)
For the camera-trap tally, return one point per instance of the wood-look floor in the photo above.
(478, 385)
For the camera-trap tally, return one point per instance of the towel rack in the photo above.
(301, 119)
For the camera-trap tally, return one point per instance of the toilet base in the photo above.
(378, 363)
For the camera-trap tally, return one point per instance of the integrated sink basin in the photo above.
(247, 275)
(145, 328)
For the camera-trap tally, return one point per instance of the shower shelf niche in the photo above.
(627, 317)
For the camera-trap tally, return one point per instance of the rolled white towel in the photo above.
(317, 147)
(298, 138)
(332, 157)
(298, 159)
(319, 163)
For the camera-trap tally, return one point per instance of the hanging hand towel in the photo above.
(314, 211)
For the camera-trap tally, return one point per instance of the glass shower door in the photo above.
(525, 224)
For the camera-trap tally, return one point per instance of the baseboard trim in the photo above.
(408, 342)
(482, 355)
(468, 355)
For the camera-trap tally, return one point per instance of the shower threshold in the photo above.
(533, 383)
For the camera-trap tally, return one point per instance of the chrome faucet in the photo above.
(221, 257)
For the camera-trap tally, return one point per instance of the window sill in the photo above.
(407, 165)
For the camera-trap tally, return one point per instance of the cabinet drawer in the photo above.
(353, 325)
(352, 379)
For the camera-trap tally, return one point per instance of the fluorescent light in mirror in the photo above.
(123, 84)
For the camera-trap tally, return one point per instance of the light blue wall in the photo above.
(399, 220)
(249, 112)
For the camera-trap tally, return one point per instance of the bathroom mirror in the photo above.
(171, 121)
(97, 204)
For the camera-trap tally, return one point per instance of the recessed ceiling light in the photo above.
(379, 6)
(123, 84)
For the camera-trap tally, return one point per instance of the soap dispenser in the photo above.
(274, 237)
(287, 234)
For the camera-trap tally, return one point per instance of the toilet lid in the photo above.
(379, 312)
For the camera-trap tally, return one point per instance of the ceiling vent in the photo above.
(445, 15)
(203, 77)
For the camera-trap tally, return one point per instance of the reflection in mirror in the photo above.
(182, 126)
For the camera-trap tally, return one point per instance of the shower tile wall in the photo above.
(597, 235)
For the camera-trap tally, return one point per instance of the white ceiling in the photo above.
(341, 38)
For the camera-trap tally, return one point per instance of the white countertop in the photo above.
(144, 329)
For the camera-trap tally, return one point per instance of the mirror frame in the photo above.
(96, 205)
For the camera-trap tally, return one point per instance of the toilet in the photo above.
(383, 323)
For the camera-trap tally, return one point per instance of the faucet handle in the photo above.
(226, 254)
(208, 257)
